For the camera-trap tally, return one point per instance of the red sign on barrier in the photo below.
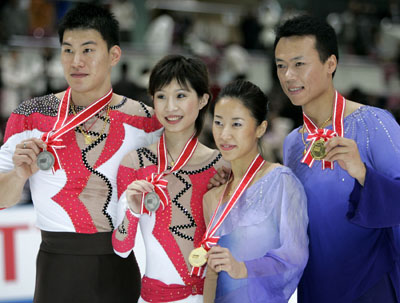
(9, 250)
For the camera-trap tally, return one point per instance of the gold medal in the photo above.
(318, 149)
(197, 257)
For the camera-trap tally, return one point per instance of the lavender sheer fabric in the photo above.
(267, 229)
(353, 230)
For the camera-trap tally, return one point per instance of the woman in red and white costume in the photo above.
(179, 87)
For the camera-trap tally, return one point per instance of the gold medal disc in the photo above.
(318, 149)
(197, 257)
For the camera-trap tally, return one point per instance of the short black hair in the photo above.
(186, 71)
(306, 25)
(86, 16)
(250, 95)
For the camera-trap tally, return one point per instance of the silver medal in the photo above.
(152, 201)
(45, 160)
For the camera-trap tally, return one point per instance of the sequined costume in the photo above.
(267, 230)
(354, 231)
(170, 234)
(80, 199)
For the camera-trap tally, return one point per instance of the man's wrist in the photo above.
(242, 273)
(361, 176)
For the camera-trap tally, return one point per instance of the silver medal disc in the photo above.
(45, 160)
(152, 201)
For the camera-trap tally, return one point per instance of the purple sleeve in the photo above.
(277, 273)
(377, 204)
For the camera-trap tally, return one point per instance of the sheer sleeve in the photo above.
(376, 204)
(277, 273)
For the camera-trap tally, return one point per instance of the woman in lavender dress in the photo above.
(263, 245)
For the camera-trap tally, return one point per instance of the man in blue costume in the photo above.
(347, 156)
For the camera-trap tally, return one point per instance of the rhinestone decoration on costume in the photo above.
(178, 230)
(99, 137)
(46, 105)
(180, 226)
(85, 201)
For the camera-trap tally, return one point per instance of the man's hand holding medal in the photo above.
(345, 152)
(25, 157)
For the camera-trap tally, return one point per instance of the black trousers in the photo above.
(82, 268)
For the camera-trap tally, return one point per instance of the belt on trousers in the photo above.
(76, 243)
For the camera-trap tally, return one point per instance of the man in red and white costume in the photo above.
(86, 130)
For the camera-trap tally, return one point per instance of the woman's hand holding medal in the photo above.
(210, 240)
(345, 152)
(25, 157)
(220, 258)
(134, 193)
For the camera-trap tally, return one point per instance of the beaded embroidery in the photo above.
(176, 229)
(46, 105)
(84, 164)
(97, 173)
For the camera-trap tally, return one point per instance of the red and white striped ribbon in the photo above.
(209, 239)
(160, 184)
(53, 138)
(315, 133)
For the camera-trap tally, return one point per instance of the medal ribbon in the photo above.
(315, 133)
(52, 138)
(160, 184)
(209, 239)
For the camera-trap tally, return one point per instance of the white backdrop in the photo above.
(19, 244)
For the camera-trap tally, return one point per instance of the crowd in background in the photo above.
(224, 34)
